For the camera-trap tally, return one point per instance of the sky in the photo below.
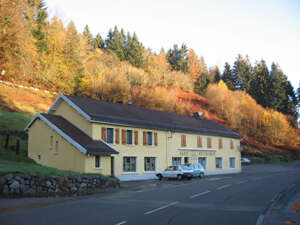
(218, 30)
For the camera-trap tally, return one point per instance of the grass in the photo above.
(273, 158)
(13, 121)
(12, 163)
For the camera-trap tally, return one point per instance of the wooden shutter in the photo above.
(208, 142)
(117, 135)
(231, 144)
(199, 142)
(136, 137)
(220, 143)
(144, 138)
(155, 138)
(103, 133)
(183, 140)
(123, 137)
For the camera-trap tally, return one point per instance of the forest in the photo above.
(256, 101)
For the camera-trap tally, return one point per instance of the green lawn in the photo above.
(12, 163)
(13, 121)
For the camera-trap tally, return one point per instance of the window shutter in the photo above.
(231, 144)
(136, 137)
(155, 138)
(220, 143)
(103, 134)
(123, 136)
(199, 142)
(117, 135)
(144, 138)
(208, 142)
(183, 140)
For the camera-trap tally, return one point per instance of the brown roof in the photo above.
(129, 115)
(92, 146)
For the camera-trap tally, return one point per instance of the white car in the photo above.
(198, 170)
(245, 161)
(179, 172)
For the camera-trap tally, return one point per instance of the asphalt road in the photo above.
(222, 200)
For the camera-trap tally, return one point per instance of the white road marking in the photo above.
(123, 222)
(224, 186)
(242, 182)
(202, 193)
(160, 208)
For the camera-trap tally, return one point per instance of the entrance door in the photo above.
(186, 160)
(112, 165)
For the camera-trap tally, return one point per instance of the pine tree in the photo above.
(178, 58)
(261, 84)
(40, 30)
(242, 73)
(87, 33)
(228, 78)
(99, 43)
(135, 52)
(115, 43)
(201, 84)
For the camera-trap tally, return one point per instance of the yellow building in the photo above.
(93, 136)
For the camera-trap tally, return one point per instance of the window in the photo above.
(199, 142)
(129, 137)
(56, 147)
(129, 164)
(149, 164)
(202, 161)
(220, 143)
(97, 161)
(110, 135)
(186, 160)
(219, 163)
(208, 142)
(232, 162)
(231, 144)
(183, 140)
(51, 142)
(149, 138)
(176, 161)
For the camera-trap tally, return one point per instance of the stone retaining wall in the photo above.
(37, 185)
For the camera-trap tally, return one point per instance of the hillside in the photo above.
(18, 105)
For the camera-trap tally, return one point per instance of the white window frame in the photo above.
(98, 167)
(234, 162)
(132, 137)
(155, 163)
(152, 137)
(136, 164)
(205, 160)
(221, 162)
(113, 135)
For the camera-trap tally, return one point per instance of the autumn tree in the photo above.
(195, 66)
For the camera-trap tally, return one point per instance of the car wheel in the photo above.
(159, 176)
(179, 177)
(201, 175)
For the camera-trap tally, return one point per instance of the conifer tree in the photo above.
(87, 33)
(261, 84)
(228, 78)
(99, 43)
(178, 58)
(242, 73)
(135, 52)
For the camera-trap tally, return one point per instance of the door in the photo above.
(112, 165)
(186, 160)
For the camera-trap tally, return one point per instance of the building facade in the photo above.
(92, 136)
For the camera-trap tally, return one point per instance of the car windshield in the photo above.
(186, 167)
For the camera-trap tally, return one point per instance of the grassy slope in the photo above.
(18, 106)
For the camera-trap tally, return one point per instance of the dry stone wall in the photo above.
(39, 185)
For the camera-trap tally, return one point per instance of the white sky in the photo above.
(218, 30)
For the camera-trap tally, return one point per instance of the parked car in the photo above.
(198, 170)
(180, 172)
(245, 161)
